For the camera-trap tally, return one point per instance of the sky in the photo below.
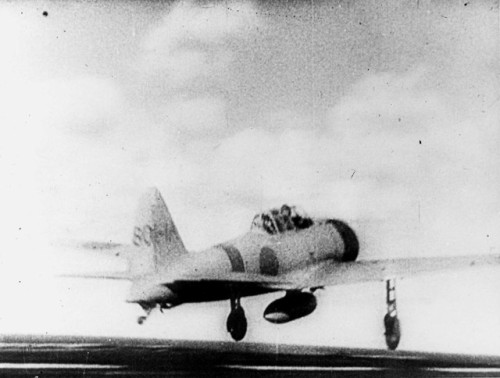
(382, 114)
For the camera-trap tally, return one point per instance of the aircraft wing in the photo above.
(240, 279)
(330, 273)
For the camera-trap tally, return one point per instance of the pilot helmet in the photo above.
(286, 210)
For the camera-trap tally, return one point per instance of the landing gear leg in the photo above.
(391, 321)
(236, 321)
(147, 309)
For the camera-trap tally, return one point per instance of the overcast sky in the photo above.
(383, 114)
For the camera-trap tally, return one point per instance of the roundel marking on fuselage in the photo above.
(268, 262)
(237, 264)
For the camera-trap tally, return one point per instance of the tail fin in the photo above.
(155, 230)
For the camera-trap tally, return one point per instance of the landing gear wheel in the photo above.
(392, 331)
(237, 324)
(391, 321)
(147, 307)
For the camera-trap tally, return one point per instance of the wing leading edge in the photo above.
(331, 273)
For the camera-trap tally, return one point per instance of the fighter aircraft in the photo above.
(284, 250)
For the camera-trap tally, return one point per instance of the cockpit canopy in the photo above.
(286, 218)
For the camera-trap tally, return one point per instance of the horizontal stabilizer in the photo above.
(106, 246)
(103, 248)
(101, 275)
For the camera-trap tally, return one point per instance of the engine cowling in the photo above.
(293, 305)
(349, 239)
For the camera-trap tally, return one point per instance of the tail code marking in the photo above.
(142, 236)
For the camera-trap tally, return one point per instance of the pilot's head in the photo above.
(286, 211)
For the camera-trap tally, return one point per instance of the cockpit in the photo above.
(286, 218)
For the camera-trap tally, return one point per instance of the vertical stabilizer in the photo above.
(154, 230)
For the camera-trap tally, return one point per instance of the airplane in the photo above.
(284, 250)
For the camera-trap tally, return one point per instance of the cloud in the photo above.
(192, 41)
(205, 115)
(57, 140)
(82, 106)
(395, 156)
(397, 147)
(209, 24)
(384, 99)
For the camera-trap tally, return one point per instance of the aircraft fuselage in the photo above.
(252, 253)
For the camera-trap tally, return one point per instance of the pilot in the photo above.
(286, 217)
(301, 222)
(267, 223)
(276, 216)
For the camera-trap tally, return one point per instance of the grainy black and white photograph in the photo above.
(226, 188)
